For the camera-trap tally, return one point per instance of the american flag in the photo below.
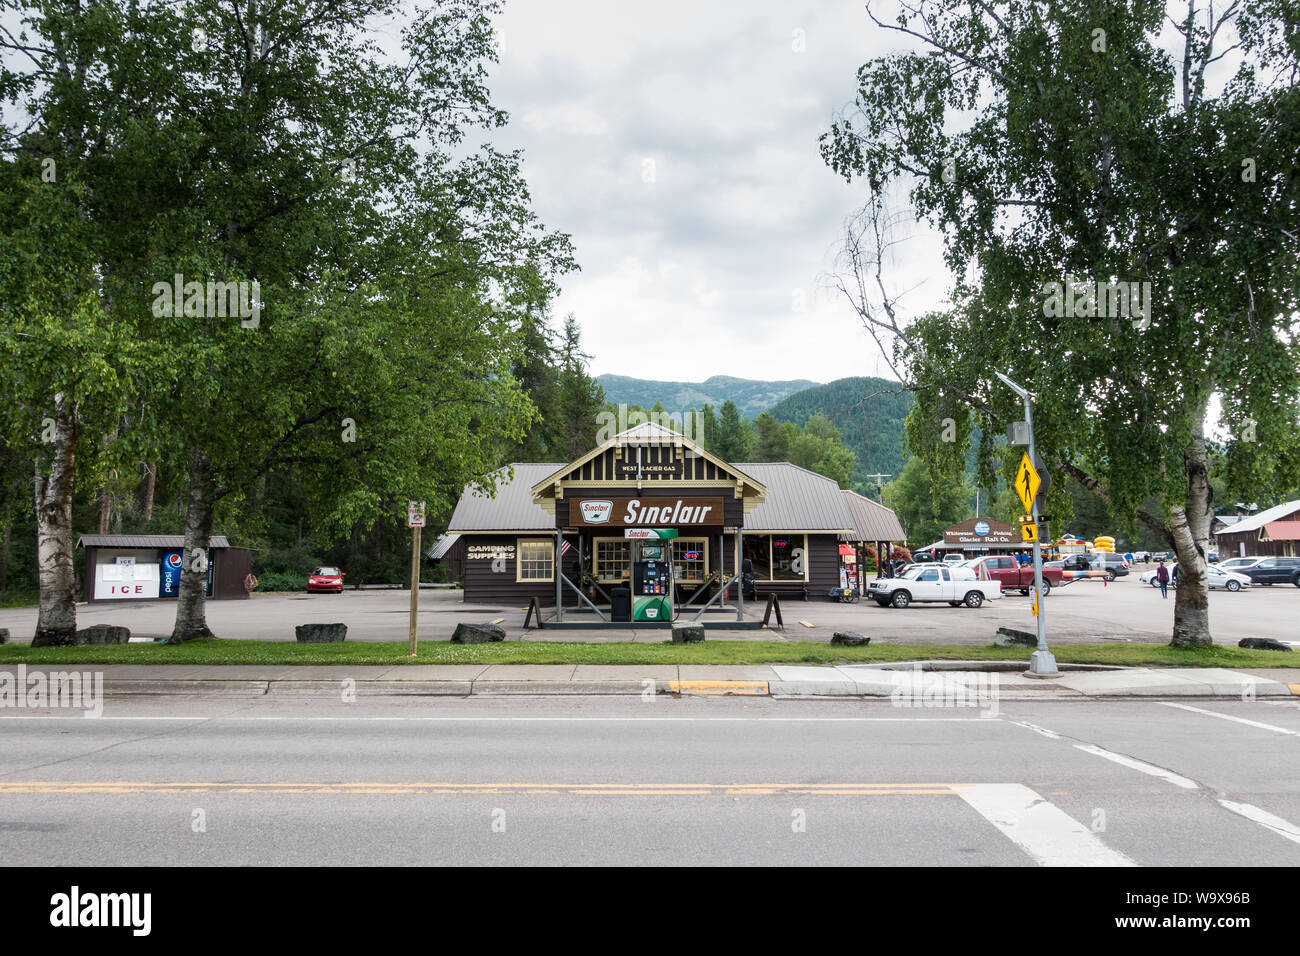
(565, 548)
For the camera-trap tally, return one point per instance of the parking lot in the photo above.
(1083, 612)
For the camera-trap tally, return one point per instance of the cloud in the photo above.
(677, 144)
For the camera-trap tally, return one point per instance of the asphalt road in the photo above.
(671, 781)
(1083, 612)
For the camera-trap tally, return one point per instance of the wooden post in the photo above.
(415, 588)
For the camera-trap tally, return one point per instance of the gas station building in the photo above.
(652, 513)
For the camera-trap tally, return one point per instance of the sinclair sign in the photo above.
(644, 512)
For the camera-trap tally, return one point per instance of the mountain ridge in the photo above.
(752, 396)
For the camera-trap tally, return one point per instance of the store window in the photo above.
(690, 559)
(610, 562)
(536, 561)
(778, 557)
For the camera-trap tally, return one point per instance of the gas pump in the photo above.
(652, 584)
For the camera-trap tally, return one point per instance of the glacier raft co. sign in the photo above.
(626, 512)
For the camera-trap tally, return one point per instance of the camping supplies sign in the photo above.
(644, 512)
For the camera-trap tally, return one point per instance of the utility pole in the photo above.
(1041, 663)
(880, 488)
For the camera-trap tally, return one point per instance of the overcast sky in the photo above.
(677, 144)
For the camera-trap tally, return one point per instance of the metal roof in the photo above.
(1261, 518)
(144, 541)
(872, 521)
(797, 500)
(512, 508)
(442, 546)
(1283, 530)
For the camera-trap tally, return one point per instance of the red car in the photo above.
(325, 579)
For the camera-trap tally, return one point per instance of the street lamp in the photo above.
(1041, 662)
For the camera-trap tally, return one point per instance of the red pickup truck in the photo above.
(1013, 576)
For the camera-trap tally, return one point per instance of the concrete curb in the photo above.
(181, 688)
(369, 688)
(803, 682)
(507, 688)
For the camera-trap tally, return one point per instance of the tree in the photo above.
(773, 438)
(709, 429)
(1126, 242)
(394, 280)
(926, 508)
(70, 353)
(580, 397)
(733, 443)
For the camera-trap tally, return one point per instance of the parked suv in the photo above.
(1275, 571)
(1107, 561)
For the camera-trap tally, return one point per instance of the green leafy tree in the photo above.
(1059, 148)
(925, 508)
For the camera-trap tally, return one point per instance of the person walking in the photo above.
(1162, 578)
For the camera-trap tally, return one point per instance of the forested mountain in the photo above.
(869, 414)
(751, 397)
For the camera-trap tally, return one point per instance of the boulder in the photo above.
(688, 632)
(103, 634)
(1263, 644)
(478, 633)
(850, 639)
(1010, 637)
(321, 633)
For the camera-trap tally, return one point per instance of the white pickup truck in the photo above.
(957, 586)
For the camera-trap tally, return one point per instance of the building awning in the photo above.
(872, 521)
(144, 541)
(1283, 530)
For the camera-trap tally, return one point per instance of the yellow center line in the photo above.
(470, 789)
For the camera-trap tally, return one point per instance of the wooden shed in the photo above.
(147, 567)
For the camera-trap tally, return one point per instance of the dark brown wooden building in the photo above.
(786, 521)
(146, 567)
(1273, 532)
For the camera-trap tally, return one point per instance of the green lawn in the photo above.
(220, 651)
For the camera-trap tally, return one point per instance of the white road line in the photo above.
(1166, 775)
(1239, 720)
(541, 720)
(1044, 831)
(1279, 826)
(1051, 734)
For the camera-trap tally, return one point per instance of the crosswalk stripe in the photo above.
(1279, 826)
(1167, 775)
(1232, 717)
(1043, 830)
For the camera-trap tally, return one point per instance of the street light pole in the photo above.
(1041, 663)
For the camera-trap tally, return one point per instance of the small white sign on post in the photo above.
(415, 514)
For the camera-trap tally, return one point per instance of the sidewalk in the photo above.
(931, 679)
